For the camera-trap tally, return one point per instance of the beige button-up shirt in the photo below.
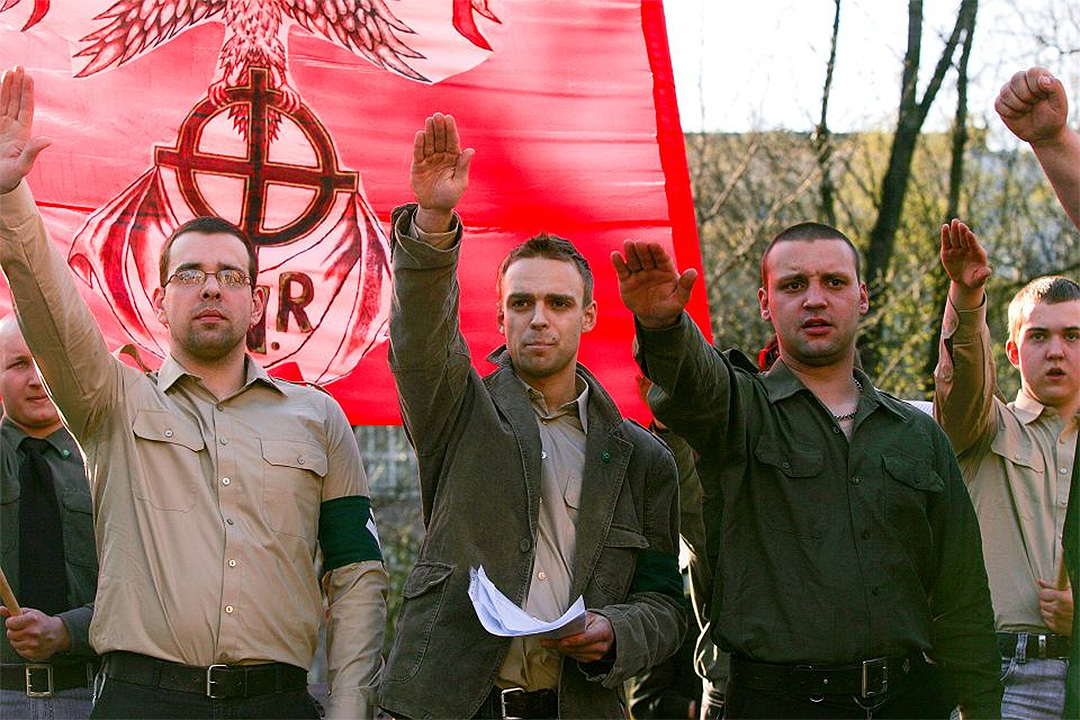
(1017, 461)
(207, 510)
(562, 462)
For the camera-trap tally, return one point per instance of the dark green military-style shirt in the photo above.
(827, 552)
(76, 508)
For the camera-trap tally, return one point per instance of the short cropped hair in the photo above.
(1049, 289)
(808, 231)
(552, 247)
(209, 225)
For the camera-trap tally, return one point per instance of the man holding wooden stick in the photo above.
(47, 548)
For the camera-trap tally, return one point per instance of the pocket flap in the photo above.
(619, 536)
(1018, 452)
(914, 473)
(424, 576)
(795, 461)
(161, 426)
(78, 501)
(295, 454)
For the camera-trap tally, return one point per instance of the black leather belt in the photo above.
(215, 681)
(1043, 647)
(516, 703)
(868, 679)
(44, 679)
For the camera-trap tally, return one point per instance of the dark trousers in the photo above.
(120, 699)
(918, 697)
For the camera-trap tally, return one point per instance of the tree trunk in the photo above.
(822, 137)
(912, 114)
(956, 182)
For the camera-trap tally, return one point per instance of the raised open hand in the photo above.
(440, 168)
(18, 148)
(963, 258)
(650, 285)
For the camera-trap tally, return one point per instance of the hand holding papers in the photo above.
(501, 617)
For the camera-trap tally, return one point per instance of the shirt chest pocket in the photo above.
(793, 494)
(910, 484)
(170, 456)
(293, 471)
(78, 519)
(1025, 473)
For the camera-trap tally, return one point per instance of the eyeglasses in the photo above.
(194, 277)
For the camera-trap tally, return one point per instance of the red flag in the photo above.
(295, 120)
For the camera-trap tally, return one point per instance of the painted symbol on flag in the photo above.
(253, 152)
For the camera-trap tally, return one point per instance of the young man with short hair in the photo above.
(48, 550)
(1016, 459)
(844, 546)
(530, 472)
(214, 484)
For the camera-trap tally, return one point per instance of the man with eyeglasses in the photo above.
(214, 484)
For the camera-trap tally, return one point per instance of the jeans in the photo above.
(119, 699)
(73, 704)
(1034, 687)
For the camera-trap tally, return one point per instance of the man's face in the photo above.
(1047, 352)
(210, 321)
(25, 400)
(813, 300)
(542, 314)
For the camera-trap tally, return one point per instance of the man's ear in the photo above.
(258, 305)
(1012, 351)
(763, 301)
(588, 320)
(159, 306)
(499, 318)
(864, 299)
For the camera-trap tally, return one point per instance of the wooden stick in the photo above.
(8, 597)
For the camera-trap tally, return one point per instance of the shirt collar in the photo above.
(581, 402)
(60, 439)
(171, 371)
(781, 383)
(1027, 408)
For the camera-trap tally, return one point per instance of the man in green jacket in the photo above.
(529, 472)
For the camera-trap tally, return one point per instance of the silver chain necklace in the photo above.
(853, 413)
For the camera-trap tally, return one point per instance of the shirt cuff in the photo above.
(962, 324)
(17, 206)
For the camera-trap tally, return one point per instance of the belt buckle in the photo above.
(870, 668)
(508, 692)
(210, 681)
(30, 691)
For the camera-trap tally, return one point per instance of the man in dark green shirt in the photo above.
(46, 547)
(850, 549)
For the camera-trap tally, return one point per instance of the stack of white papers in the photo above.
(501, 617)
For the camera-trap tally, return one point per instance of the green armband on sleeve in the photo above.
(658, 571)
(347, 532)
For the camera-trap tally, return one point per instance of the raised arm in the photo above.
(428, 355)
(964, 380)
(692, 382)
(1034, 107)
(58, 326)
